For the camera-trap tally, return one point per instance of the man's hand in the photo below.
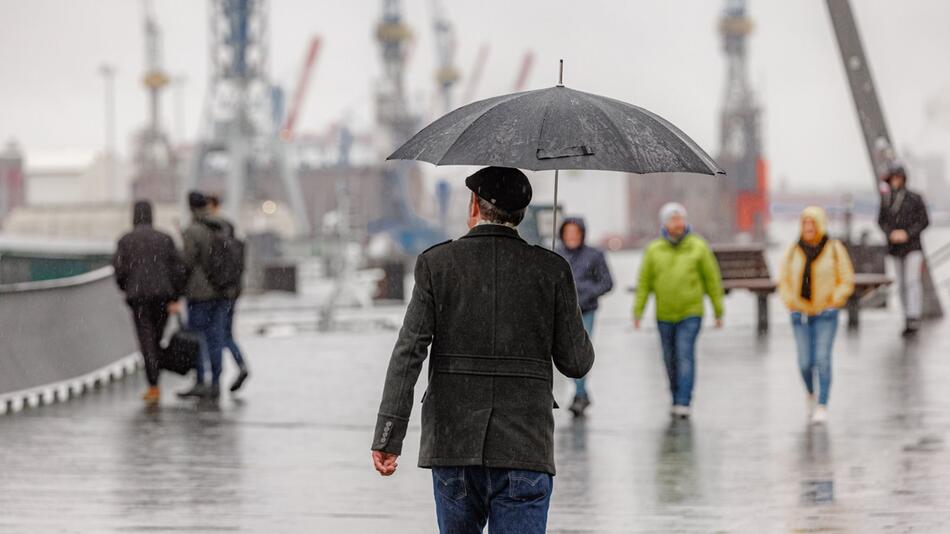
(385, 462)
(898, 236)
(174, 307)
(718, 322)
(636, 323)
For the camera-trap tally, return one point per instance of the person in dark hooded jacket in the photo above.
(902, 218)
(592, 279)
(152, 275)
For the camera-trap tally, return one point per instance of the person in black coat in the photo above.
(592, 279)
(149, 270)
(500, 316)
(903, 217)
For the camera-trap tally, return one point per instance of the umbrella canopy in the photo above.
(558, 128)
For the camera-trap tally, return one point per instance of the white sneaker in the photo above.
(821, 415)
(680, 411)
(810, 404)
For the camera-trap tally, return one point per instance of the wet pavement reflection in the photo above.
(290, 454)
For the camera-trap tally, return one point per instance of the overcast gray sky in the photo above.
(661, 54)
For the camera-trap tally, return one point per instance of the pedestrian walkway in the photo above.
(292, 453)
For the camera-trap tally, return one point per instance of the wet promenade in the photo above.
(291, 453)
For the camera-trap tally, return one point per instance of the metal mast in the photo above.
(740, 151)
(154, 158)
(392, 111)
(446, 75)
(242, 112)
(877, 140)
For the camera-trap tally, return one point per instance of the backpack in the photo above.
(224, 265)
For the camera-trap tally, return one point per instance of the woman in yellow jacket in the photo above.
(816, 279)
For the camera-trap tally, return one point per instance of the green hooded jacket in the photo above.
(679, 275)
(197, 240)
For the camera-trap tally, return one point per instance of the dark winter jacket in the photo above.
(903, 210)
(500, 315)
(197, 240)
(591, 274)
(147, 265)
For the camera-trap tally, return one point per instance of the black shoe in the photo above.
(212, 392)
(581, 402)
(911, 329)
(239, 381)
(198, 390)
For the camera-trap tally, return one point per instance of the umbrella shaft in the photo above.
(554, 215)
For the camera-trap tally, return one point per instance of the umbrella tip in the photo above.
(560, 74)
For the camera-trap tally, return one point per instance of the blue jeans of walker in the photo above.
(580, 384)
(208, 317)
(679, 355)
(511, 501)
(229, 342)
(814, 338)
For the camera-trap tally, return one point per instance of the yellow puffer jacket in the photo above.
(832, 277)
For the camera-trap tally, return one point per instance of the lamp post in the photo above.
(108, 75)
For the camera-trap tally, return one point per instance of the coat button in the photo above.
(389, 424)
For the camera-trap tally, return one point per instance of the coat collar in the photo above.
(498, 230)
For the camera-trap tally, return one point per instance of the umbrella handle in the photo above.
(554, 215)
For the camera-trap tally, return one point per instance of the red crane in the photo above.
(526, 63)
(287, 130)
(476, 77)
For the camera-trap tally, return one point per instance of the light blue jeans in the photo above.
(814, 338)
(580, 384)
(679, 355)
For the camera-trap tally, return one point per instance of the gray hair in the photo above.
(496, 215)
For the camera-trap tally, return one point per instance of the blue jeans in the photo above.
(511, 501)
(208, 318)
(679, 355)
(580, 384)
(229, 342)
(814, 337)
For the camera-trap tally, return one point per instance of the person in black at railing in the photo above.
(903, 217)
(152, 275)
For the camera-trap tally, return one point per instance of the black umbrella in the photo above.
(557, 128)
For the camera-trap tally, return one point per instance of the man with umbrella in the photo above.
(499, 312)
(500, 315)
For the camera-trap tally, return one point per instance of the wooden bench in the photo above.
(864, 284)
(744, 267)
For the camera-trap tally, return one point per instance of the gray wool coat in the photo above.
(499, 315)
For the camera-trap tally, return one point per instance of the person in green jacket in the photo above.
(679, 269)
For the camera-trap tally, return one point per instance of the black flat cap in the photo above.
(507, 188)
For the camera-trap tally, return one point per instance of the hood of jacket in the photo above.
(579, 222)
(142, 213)
(821, 220)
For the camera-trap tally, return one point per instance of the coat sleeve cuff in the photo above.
(390, 431)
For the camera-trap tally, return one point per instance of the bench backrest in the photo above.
(741, 262)
(868, 258)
